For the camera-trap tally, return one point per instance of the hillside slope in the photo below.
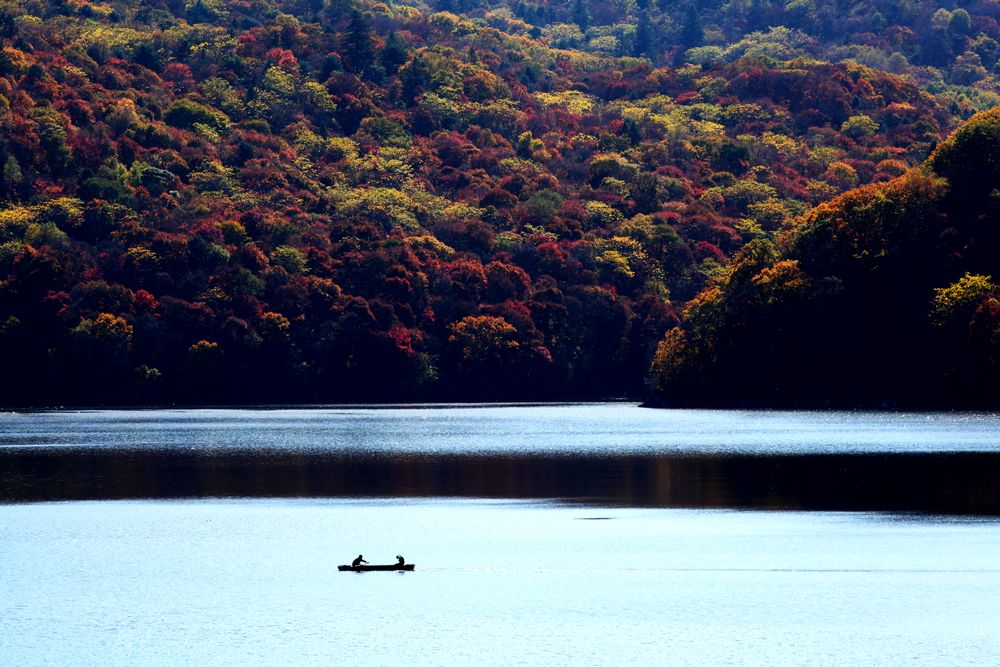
(884, 296)
(229, 202)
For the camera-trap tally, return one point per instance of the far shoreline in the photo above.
(651, 404)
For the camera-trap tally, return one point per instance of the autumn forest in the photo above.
(691, 202)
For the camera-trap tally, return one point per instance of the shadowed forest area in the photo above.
(958, 484)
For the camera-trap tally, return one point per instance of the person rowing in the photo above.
(358, 561)
(400, 561)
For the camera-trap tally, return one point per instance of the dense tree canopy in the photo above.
(883, 296)
(220, 201)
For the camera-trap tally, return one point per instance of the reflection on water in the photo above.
(953, 483)
(612, 454)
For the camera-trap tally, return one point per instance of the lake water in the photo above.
(597, 534)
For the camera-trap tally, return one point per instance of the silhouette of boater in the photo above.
(356, 566)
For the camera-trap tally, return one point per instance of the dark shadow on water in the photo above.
(955, 484)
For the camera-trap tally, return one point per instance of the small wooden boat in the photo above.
(376, 568)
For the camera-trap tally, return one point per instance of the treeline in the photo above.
(291, 201)
(951, 48)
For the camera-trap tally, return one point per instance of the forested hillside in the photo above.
(884, 296)
(221, 201)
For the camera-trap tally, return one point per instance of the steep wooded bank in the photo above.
(885, 295)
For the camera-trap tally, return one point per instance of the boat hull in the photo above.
(376, 568)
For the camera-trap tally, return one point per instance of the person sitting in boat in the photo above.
(358, 561)
(400, 561)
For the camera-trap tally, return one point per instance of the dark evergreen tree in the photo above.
(692, 32)
(335, 11)
(758, 15)
(630, 128)
(394, 53)
(147, 55)
(8, 26)
(359, 48)
(581, 14)
(643, 36)
(645, 192)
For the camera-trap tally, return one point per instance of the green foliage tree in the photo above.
(290, 258)
(960, 22)
(12, 177)
(51, 129)
(186, 113)
(106, 339)
(956, 304)
(859, 126)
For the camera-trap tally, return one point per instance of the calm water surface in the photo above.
(601, 534)
(618, 454)
(499, 582)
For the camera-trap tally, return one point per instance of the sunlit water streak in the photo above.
(598, 429)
